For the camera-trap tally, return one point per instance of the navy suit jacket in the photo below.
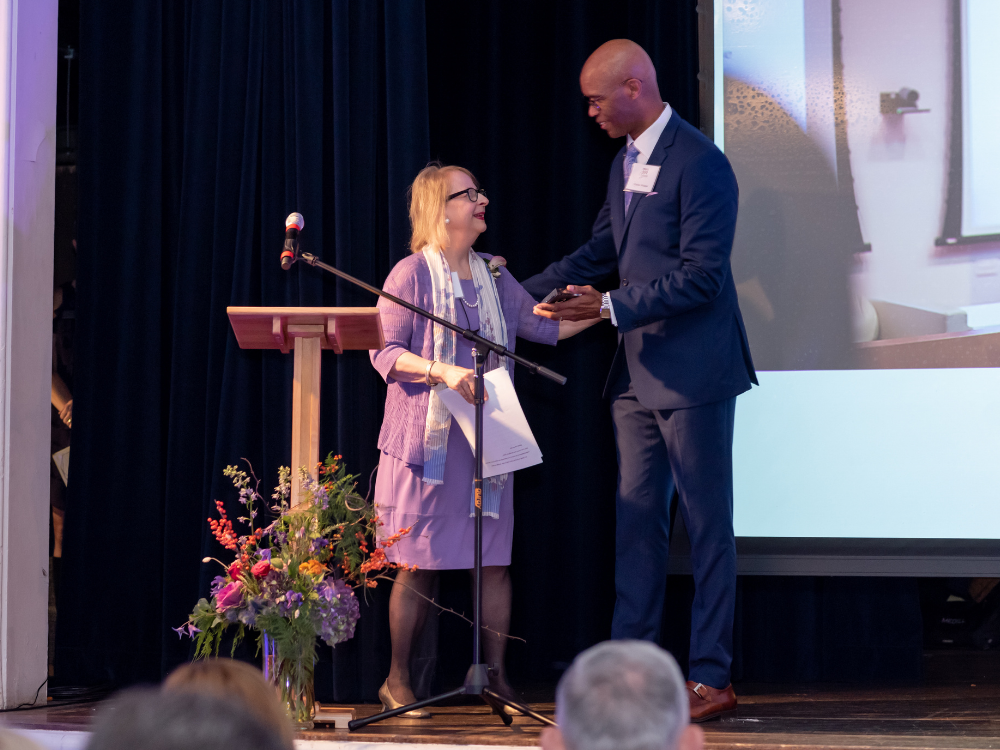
(679, 322)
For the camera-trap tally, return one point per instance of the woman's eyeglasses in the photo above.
(472, 194)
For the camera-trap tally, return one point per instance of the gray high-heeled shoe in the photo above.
(388, 702)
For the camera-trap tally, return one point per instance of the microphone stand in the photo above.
(477, 678)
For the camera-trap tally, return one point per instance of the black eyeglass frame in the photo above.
(471, 193)
(595, 101)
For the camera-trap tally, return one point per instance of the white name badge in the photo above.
(642, 179)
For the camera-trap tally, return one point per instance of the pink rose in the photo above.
(261, 569)
(230, 595)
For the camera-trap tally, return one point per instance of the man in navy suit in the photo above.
(667, 226)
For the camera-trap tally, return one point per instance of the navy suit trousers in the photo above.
(690, 450)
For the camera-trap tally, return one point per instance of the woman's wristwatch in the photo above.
(427, 372)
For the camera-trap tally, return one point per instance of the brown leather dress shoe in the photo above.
(709, 703)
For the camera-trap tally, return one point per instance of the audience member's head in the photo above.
(622, 695)
(150, 719)
(235, 680)
(13, 741)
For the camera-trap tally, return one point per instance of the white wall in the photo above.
(28, 59)
(900, 164)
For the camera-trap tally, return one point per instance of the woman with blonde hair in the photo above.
(426, 467)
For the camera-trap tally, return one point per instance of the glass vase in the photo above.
(292, 677)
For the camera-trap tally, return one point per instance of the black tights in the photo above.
(408, 612)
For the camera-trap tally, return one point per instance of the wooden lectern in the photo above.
(307, 330)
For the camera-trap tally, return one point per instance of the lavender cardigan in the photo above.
(402, 434)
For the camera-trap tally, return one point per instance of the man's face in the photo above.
(609, 102)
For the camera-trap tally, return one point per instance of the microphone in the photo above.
(293, 225)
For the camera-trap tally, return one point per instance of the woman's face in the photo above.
(465, 217)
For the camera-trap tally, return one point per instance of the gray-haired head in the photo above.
(148, 719)
(622, 695)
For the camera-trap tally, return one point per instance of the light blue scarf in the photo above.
(492, 326)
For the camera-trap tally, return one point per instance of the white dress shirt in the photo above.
(645, 143)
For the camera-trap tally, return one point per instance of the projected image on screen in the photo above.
(863, 136)
(867, 259)
(980, 112)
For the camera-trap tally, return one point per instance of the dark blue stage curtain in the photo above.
(205, 124)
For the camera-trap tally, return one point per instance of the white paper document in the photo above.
(508, 444)
(61, 459)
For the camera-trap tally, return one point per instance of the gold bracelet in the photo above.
(427, 372)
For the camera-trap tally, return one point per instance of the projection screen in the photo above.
(872, 446)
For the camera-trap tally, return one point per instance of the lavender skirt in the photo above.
(442, 535)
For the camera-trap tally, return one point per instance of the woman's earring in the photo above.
(447, 221)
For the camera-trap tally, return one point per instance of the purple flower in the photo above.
(320, 496)
(192, 630)
(343, 589)
(336, 613)
(217, 583)
(317, 545)
(289, 601)
(229, 596)
(180, 631)
(248, 616)
(265, 553)
(327, 590)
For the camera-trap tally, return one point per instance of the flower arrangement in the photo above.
(292, 580)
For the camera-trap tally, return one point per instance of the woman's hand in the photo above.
(410, 368)
(569, 328)
(62, 399)
(66, 414)
(459, 379)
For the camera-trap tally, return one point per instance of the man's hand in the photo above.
(585, 307)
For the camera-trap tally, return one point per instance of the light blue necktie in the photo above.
(630, 158)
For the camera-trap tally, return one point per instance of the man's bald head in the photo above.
(618, 60)
(619, 80)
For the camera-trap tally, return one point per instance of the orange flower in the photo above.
(223, 530)
(311, 568)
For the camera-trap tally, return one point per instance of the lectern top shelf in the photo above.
(338, 328)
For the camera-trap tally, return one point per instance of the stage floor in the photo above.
(963, 716)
